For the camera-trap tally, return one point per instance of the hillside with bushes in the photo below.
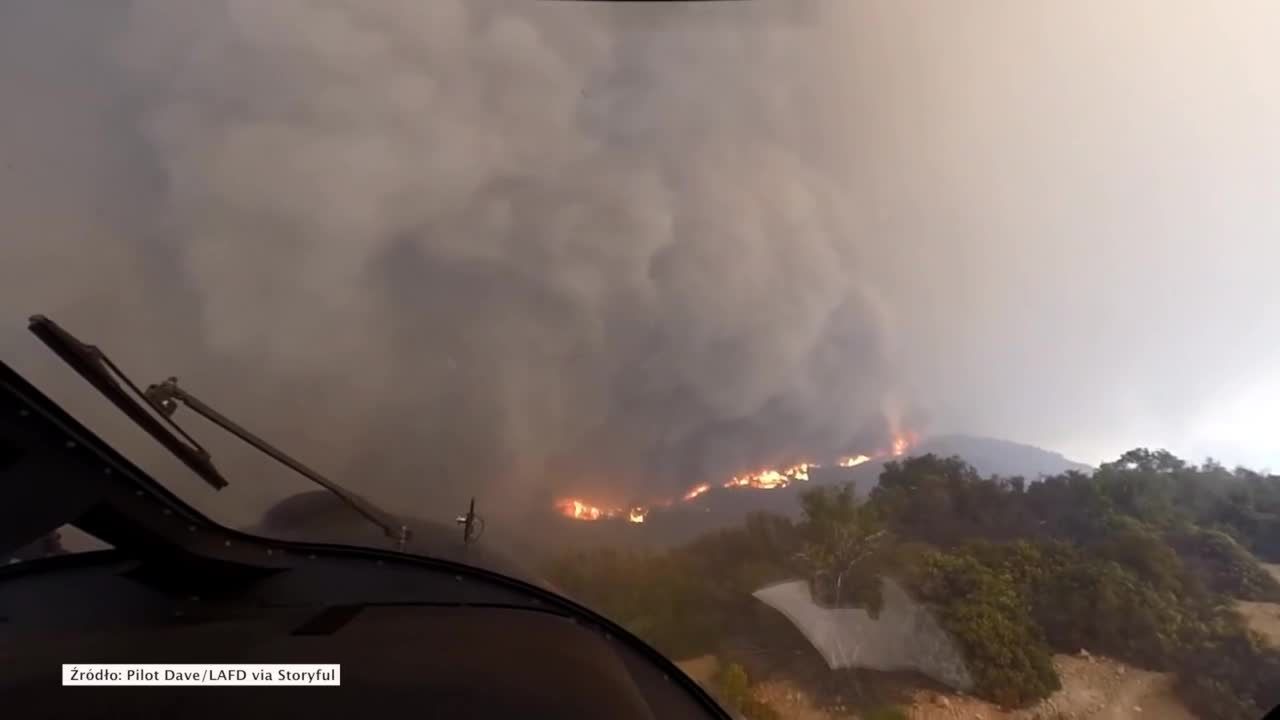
(1140, 560)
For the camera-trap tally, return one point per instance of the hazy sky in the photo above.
(523, 247)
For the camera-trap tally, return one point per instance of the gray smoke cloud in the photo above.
(505, 245)
(517, 248)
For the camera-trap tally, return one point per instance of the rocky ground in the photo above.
(1093, 688)
(1263, 618)
(793, 704)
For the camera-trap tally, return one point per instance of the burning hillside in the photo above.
(762, 479)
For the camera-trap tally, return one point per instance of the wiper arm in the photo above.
(165, 397)
(94, 366)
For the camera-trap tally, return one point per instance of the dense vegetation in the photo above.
(1139, 561)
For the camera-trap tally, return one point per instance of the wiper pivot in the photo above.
(163, 398)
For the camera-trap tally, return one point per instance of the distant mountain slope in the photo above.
(1000, 457)
(988, 455)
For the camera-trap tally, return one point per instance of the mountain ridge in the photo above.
(983, 453)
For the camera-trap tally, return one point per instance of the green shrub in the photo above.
(987, 613)
(1100, 606)
(1228, 673)
(1223, 566)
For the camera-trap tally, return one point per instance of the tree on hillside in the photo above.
(1145, 460)
(1144, 484)
(944, 502)
(839, 535)
(1071, 506)
(1162, 490)
(1222, 565)
(1247, 506)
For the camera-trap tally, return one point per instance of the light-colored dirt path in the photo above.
(1092, 689)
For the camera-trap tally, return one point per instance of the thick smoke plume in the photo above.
(509, 246)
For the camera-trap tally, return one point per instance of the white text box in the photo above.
(213, 675)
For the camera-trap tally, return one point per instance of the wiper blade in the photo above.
(162, 399)
(95, 367)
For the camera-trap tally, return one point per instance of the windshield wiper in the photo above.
(95, 367)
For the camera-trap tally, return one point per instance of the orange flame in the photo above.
(770, 479)
(763, 480)
(902, 442)
(696, 491)
(579, 510)
(853, 461)
(799, 472)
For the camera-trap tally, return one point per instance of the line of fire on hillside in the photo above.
(764, 479)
